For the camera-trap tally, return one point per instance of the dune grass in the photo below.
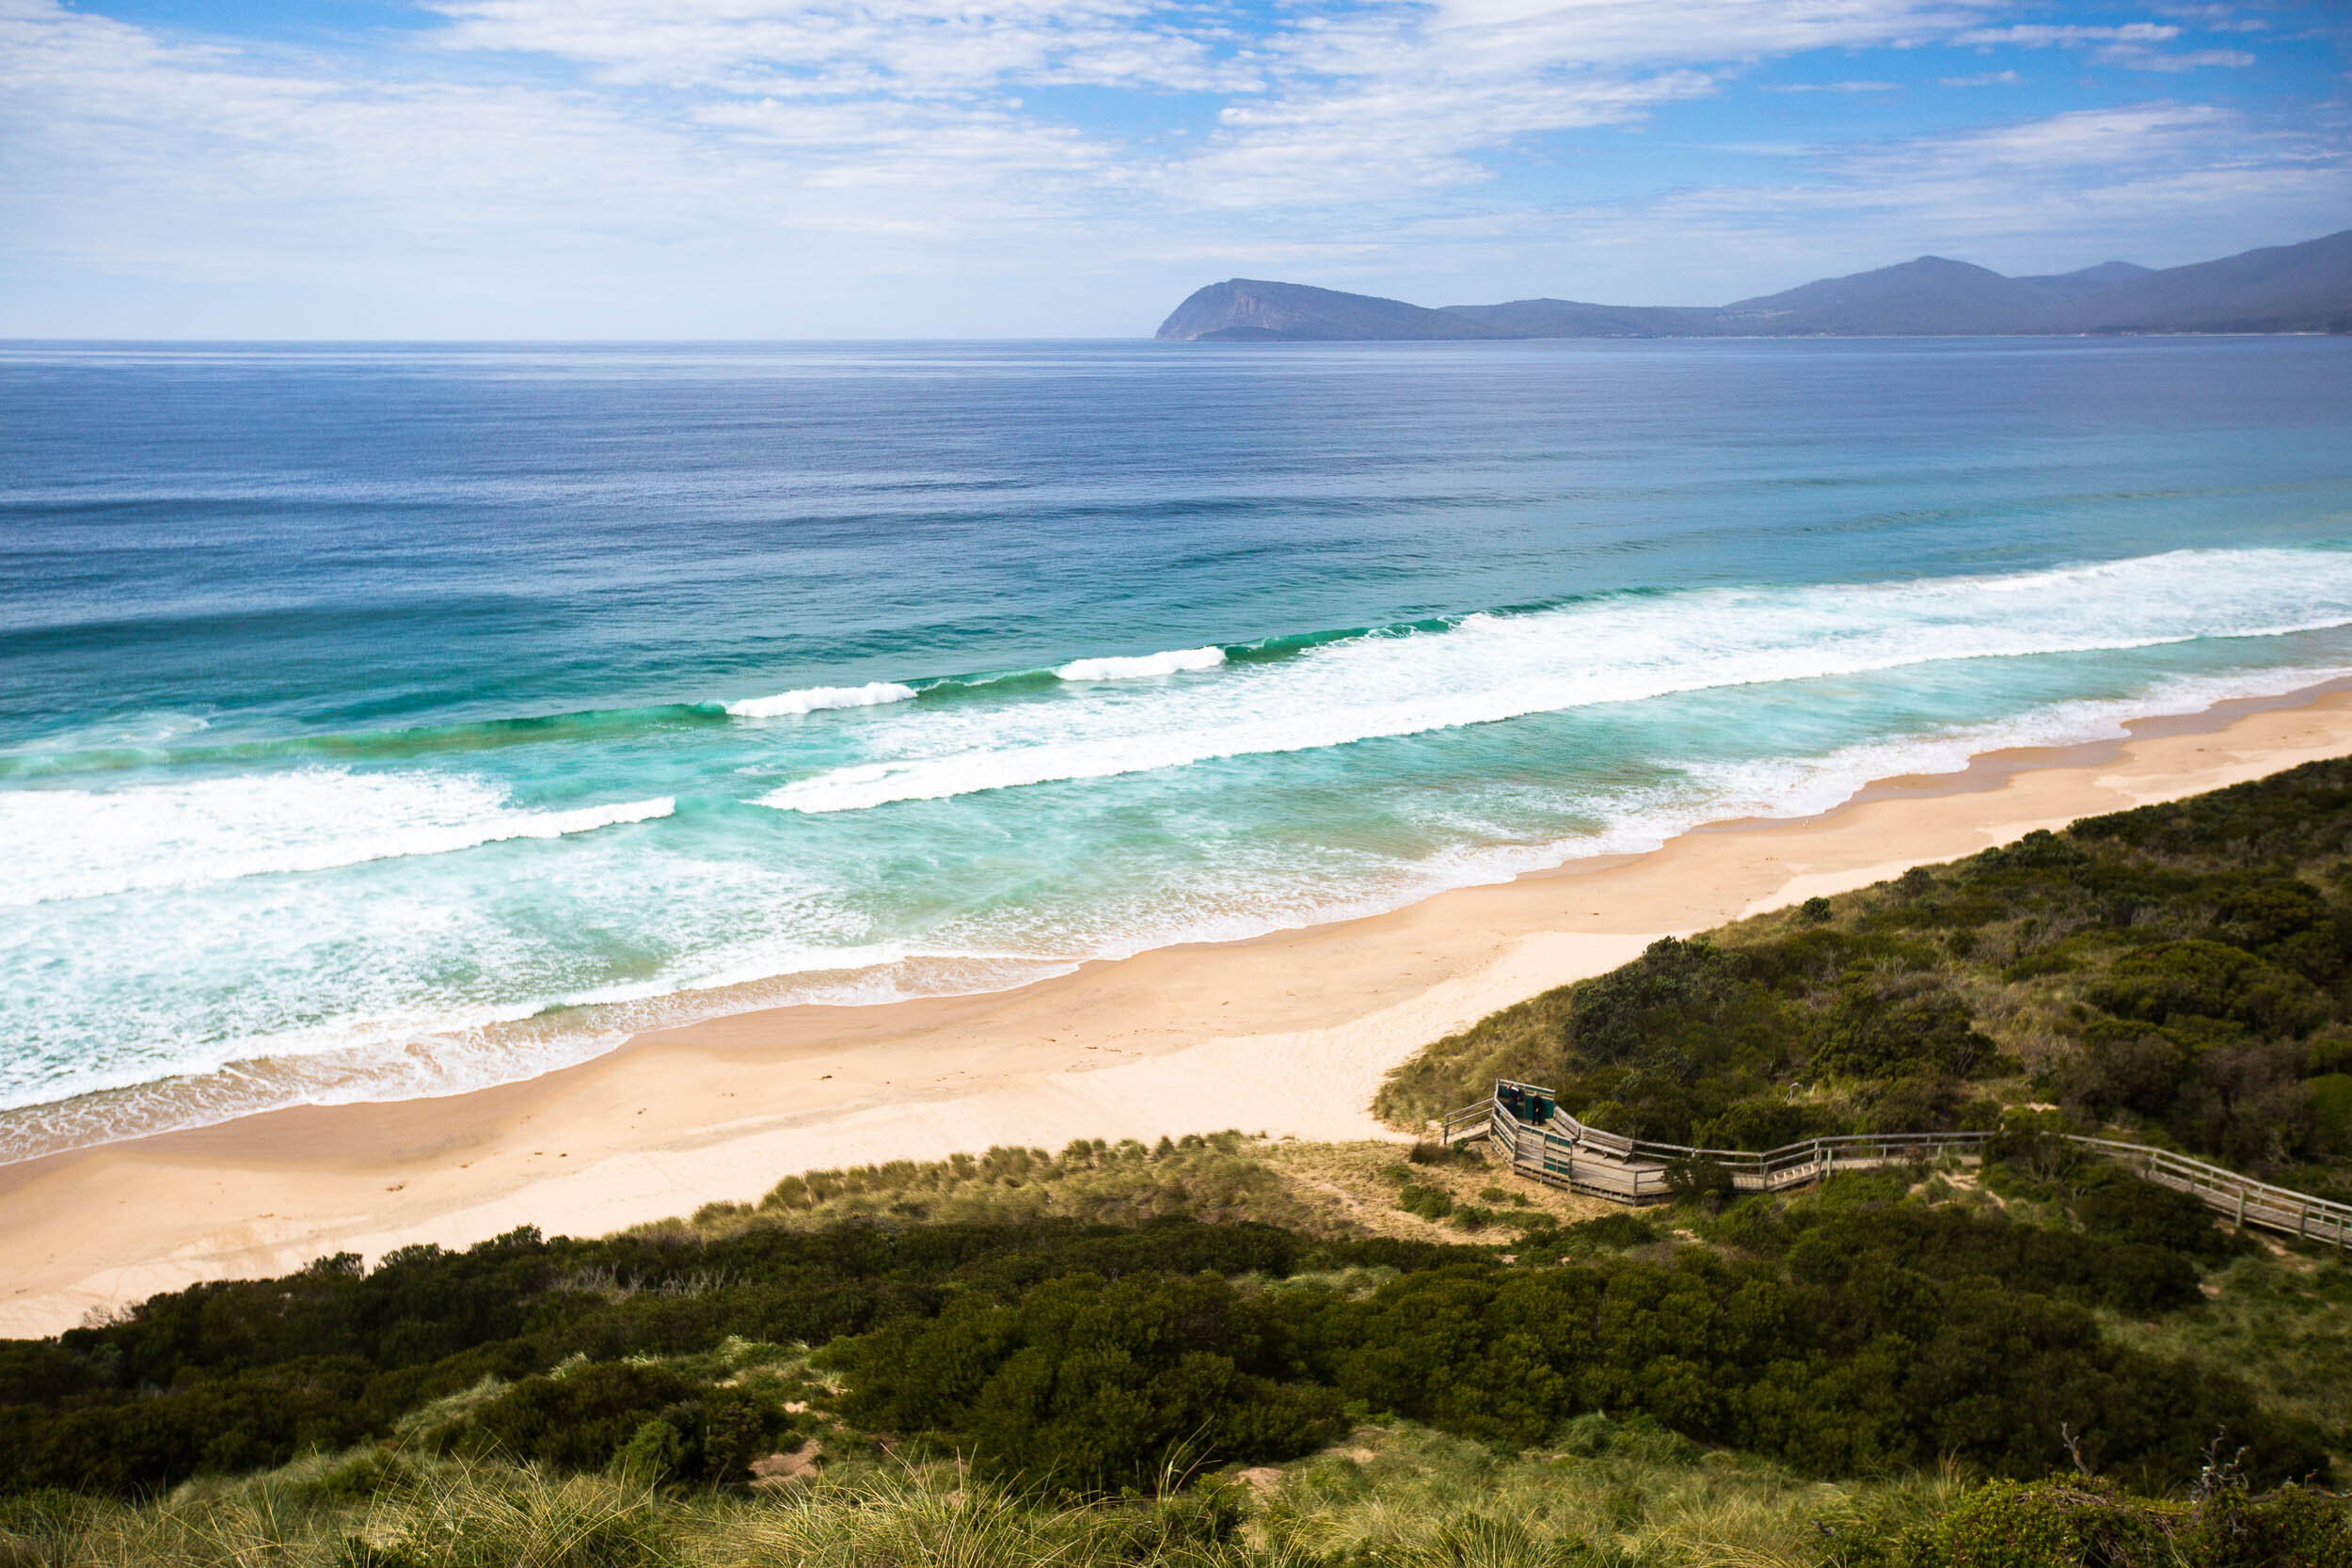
(1214, 1178)
(1624, 1495)
(2279, 1319)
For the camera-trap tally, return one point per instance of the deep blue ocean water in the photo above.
(378, 720)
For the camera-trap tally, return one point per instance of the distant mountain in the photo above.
(2074, 285)
(2288, 288)
(1930, 295)
(2298, 288)
(1243, 309)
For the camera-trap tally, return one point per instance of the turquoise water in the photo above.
(390, 721)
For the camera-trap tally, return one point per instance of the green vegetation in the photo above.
(1626, 1495)
(1226, 1351)
(2183, 972)
(1840, 1333)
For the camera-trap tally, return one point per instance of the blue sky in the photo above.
(629, 168)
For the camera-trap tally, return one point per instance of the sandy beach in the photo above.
(1289, 1035)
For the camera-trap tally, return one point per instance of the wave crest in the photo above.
(69, 844)
(1176, 661)
(815, 699)
(1620, 648)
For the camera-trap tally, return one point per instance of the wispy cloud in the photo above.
(2190, 59)
(2045, 36)
(2132, 46)
(924, 47)
(847, 166)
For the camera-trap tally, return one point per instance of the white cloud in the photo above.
(2214, 19)
(1386, 139)
(2117, 173)
(852, 46)
(2037, 36)
(834, 167)
(2192, 59)
(2131, 46)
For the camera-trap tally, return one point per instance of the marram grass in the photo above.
(1393, 1495)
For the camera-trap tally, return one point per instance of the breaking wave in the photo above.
(817, 699)
(1490, 667)
(70, 844)
(1177, 662)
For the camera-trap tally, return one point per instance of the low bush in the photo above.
(2082, 1522)
(644, 1417)
(1091, 1384)
(2120, 1206)
(1430, 1203)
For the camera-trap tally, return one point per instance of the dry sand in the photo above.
(1288, 1034)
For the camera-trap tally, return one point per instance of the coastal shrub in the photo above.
(1850, 1329)
(1882, 1366)
(1862, 1330)
(2081, 1521)
(1430, 1203)
(229, 1375)
(2121, 1207)
(1091, 1384)
(2186, 967)
(2202, 978)
(1880, 1026)
(581, 1418)
(220, 1424)
(1623, 1229)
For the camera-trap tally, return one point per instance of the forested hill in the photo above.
(2180, 974)
(2295, 288)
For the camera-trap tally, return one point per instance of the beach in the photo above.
(1288, 1034)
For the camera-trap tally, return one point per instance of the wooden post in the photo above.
(2241, 1208)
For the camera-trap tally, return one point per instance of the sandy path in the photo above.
(1288, 1034)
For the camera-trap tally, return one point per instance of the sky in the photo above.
(994, 168)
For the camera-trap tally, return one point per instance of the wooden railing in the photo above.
(1562, 1151)
(2243, 1199)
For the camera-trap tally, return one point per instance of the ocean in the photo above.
(388, 721)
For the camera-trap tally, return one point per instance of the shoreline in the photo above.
(1289, 1033)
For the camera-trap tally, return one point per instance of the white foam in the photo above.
(1175, 662)
(1490, 667)
(815, 699)
(66, 844)
(395, 1026)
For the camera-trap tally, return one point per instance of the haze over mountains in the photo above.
(2296, 288)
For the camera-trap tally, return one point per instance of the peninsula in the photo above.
(2296, 288)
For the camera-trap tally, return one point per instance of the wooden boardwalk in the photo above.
(1546, 1145)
